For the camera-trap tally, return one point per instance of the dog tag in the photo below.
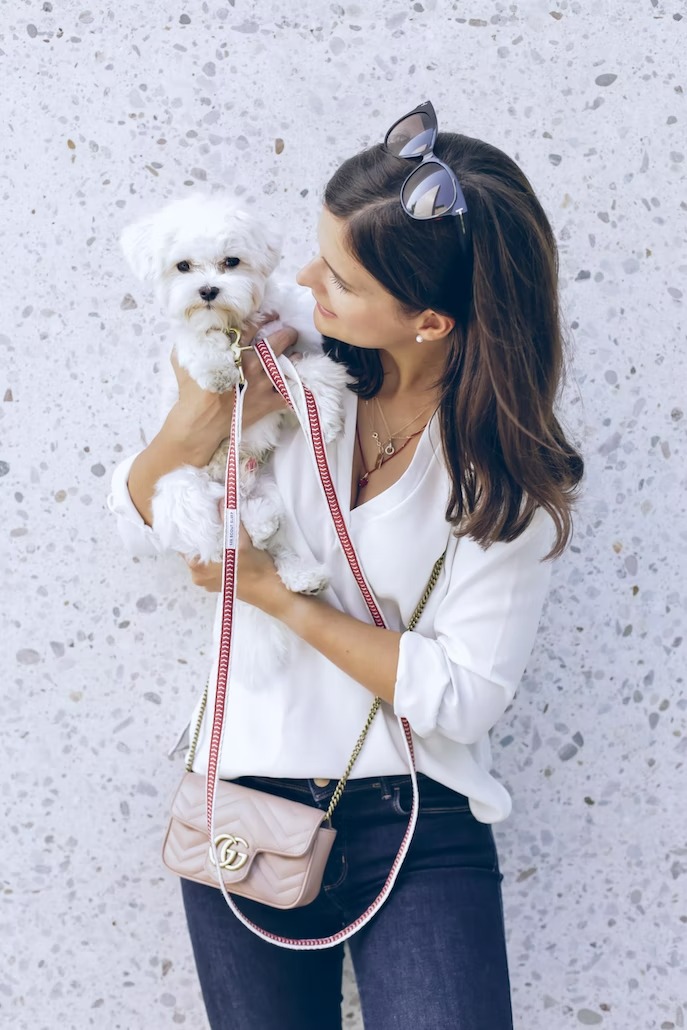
(231, 529)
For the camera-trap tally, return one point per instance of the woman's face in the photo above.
(351, 305)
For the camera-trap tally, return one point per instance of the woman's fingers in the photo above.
(262, 398)
(205, 574)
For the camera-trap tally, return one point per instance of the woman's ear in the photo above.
(434, 326)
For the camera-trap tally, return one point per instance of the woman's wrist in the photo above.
(195, 435)
(296, 611)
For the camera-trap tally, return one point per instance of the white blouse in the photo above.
(457, 671)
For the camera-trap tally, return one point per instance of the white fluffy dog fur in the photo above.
(211, 262)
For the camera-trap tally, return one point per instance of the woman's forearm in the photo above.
(367, 653)
(175, 445)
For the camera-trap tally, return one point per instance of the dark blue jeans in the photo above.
(432, 958)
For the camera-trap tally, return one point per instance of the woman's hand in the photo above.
(207, 575)
(201, 418)
(258, 582)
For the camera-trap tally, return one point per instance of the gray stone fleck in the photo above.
(589, 1018)
(147, 603)
(57, 648)
(184, 20)
(676, 156)
(4, 468)
(583, 274)
(128, 303)
(610, 445)
(146, 788)
(676, 414)
(98, 470)
(27, 656)
(567, 751)
(32, 31)
(150, 695)
(555, 159)
(246, 26)
(606, 79)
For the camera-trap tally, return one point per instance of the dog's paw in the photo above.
(300, 578)
(186, 515)
(220, 380)
(261, 519)
(218, 377)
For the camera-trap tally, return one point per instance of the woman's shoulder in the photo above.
(466, 556)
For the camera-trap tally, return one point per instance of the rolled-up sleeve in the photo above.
(459, 680)
(138, 537)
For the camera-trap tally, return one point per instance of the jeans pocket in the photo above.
(435, 798)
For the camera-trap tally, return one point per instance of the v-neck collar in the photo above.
(404, 485)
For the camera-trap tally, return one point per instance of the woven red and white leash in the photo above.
(309, 419)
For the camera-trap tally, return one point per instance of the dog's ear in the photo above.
(271, 250)
(138, 243)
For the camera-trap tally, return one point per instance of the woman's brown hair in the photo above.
(504, 447)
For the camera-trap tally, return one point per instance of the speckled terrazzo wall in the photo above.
(108, 110)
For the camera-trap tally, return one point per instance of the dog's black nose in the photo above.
(208, 292)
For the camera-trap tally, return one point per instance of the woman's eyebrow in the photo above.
(336, 274)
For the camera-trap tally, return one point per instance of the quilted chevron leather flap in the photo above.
(269, 849)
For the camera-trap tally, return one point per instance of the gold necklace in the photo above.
(388, 448)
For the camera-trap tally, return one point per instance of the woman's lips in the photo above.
(323, 311)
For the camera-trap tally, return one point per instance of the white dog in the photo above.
(211, 262)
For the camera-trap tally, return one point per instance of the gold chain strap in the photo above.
(194, 743)
(336, 796)
(414, 619)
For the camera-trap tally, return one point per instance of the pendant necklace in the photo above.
(388, 450)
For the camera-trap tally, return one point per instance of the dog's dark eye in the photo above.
(184, 266)
(231, 262)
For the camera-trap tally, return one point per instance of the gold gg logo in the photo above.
(229, 857)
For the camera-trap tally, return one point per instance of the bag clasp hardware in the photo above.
(230, 858)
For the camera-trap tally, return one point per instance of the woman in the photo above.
(436, 285)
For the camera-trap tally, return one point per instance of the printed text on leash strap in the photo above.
(231, 529)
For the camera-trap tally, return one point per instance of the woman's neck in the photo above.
(415, 370)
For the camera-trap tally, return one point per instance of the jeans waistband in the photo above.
(381, 786)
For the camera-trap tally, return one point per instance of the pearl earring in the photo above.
(419, 339)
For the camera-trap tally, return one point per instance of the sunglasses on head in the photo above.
(432, 189)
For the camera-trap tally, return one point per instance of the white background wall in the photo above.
(110, 110)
